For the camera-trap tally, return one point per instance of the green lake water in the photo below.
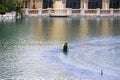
(30, 48)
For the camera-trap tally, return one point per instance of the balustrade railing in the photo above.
(64, 11)
(116, 10)
(44, 11)
(91, 11)
(76, 11)
(33, 11)
(57, 12)
(105, 11)
(69, 11)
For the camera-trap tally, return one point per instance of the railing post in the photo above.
(49, 11)
(82, 11)
(69, 11)
(26, 11)
(40, 11)
(119, 12)
(98, 11)
(111, 11)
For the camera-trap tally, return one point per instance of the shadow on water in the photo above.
(65, 53)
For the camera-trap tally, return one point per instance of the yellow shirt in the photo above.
(63, 46)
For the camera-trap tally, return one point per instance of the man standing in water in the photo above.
(65, 47)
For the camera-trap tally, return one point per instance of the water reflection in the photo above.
(106, 28)
(59, 29)
(84, 29)
(30, 48)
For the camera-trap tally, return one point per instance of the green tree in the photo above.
(10, 5)
(3, 9)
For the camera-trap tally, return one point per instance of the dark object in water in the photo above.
(65, 48)
(101, 72)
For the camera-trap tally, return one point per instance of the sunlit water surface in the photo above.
(30, 49)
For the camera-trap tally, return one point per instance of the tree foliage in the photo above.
(10, 5)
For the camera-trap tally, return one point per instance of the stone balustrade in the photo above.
(70, 12)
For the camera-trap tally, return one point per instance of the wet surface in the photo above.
(30, 49)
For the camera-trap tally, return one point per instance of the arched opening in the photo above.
(93, 4)
(47, 4)
(74, 4)
(115, 4)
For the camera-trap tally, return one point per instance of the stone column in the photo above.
(41, 2)
(105, 4)
(37, 4)
(82, 4)
(85, 4)
(64, 2)
(82, 7)
(31, 4)
(58, 4)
